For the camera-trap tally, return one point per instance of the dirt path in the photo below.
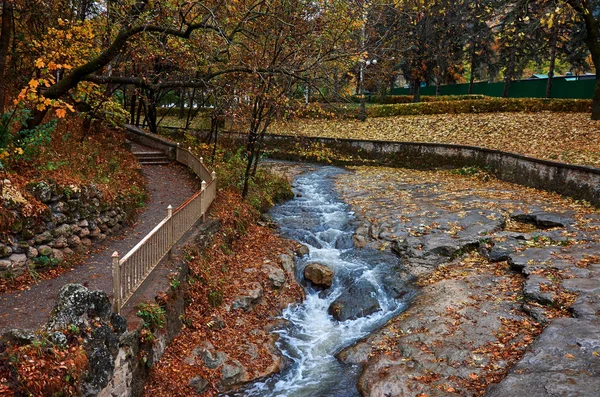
(167, 185)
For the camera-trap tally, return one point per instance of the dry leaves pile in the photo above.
(42, 369)
(565, 137)
(231, 264)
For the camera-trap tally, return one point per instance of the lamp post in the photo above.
(362, 116)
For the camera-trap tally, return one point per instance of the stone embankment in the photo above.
(497, 265)
(75, 218)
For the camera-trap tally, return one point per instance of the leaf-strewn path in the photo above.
(29, 309)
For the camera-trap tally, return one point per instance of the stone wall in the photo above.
(75, 218)
(579, 182)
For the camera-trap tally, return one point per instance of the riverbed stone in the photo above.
(560, 362)
(233, 372)
(302, 250)
(582, 285)
(360, 300)
(319, 275)
(248, 297)
(198, 384)
(287, 264)
(534, 290)
(545, 219)
(275, 275)
(211, 357)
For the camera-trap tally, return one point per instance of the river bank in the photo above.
(498, 265)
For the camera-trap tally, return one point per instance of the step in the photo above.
(156, 162)
(154, 158)
(147, 154)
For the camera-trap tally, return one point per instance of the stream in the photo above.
(317, 218)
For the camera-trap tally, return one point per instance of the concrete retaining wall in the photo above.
(575, 181)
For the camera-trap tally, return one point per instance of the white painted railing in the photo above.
(130, 271)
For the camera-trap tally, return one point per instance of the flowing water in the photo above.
(325, 224)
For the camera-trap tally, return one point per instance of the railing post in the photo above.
(213, 175)
(116, 282)
(203, 200)
(171, 232)
(201, 160)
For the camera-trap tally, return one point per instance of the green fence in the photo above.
(561, 88)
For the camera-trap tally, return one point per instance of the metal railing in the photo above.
(130, 271)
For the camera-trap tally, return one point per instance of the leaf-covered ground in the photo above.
(231, 264)
(565, 137)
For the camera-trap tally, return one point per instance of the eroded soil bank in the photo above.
(510, 284)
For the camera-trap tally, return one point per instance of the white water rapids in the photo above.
(320, 220)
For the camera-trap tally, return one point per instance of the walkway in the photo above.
(29, 309)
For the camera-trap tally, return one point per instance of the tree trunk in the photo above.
(336, 86)
(553, 42)
(182, 103)
(190, 109)
(472, 78)
(592, 40)
(7, 17)
(509, 72)
(251, 146)
(140, 107)
(417, 91)
(132, 107)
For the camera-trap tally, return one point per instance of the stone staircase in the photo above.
(149, 156)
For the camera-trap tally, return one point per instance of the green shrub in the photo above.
(488, 105)
(399, 99)
(154, 316)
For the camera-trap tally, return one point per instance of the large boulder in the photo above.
(318, 274)
(360, 300)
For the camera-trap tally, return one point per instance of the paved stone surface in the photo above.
(492, 258)
(167, 185)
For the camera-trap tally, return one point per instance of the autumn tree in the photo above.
(588, 11)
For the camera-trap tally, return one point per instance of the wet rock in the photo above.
(360, 300)
(233, 372)
(359, 241)
(198, 384)
(318, 274)
(275, 275)
(302, 250)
